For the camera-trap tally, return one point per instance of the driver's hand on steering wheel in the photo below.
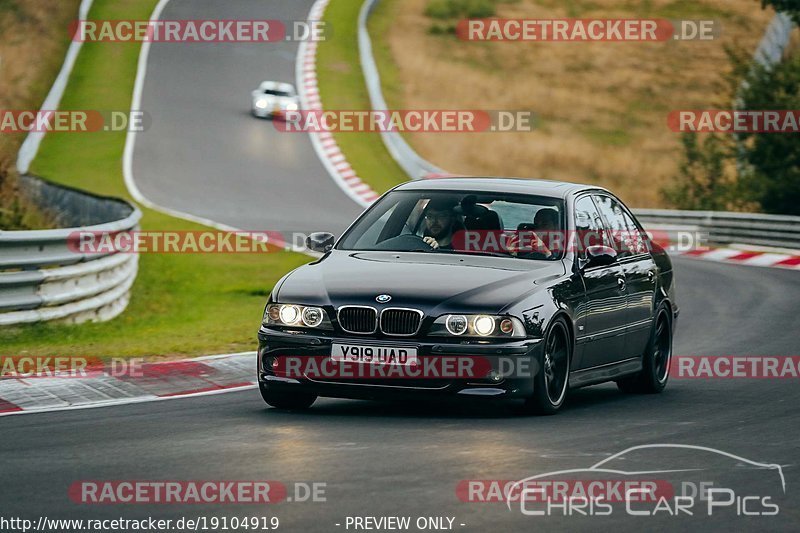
(430, 241)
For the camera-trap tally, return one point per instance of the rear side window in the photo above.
(626, 238)
(588, 226)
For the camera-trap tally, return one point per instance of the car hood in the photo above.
(433, 282)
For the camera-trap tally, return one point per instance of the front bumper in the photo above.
(514, 364)
(269, 112)
(265, 112)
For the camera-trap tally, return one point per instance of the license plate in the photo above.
(375, 355)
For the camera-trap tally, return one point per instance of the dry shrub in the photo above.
(33, 39)
(601, 106)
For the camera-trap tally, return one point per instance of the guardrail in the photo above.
(415, 166)
(775, 40)
(42, 279)
(778, 231)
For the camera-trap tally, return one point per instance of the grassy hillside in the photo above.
(601, 106)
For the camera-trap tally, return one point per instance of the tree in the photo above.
(772, 160)
(789, 7)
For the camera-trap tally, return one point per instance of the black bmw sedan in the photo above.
(495, 288)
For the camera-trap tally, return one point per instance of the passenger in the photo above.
(545, 220)
(545, 232)
(547, 227)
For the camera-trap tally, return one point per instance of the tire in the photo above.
(291, 401)
(655, 360)
(551, 382)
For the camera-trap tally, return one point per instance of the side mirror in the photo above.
(321, 242)
(600, 256)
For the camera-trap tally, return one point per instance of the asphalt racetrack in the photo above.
(387, 459)
(206, 155)
(406, 459)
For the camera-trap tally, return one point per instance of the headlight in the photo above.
(456, 324)
(483, 325)
(296, 315)
(313, 316)
(478, 326)
(291, 106)
(289, 314)
(261, 103)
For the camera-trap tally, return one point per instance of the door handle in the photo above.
(651, 276)
(621, 283)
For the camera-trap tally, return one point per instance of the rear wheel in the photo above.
(551, 381)
(294, 401)
(656, 359)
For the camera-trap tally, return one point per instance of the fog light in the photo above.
(484, 325)
(495, 376)
(456, 324)
(289, 314)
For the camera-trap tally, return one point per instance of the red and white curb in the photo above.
(743, 257)
(324, 143)
(156, 381)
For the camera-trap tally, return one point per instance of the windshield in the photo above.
(480, 223)
(275, 92)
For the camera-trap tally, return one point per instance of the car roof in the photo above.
(286, 87)
(550, 188)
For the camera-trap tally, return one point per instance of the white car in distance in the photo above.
(273, 99)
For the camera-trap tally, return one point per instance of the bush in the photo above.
(442, 29)
(707, 177)
(11, 213)
(16, 213)
(447, 9)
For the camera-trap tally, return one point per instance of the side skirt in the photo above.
(609, 372)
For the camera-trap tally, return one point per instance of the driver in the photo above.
(441, 221)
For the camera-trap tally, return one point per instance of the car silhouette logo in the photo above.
(382, 298)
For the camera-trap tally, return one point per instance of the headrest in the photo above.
(469, 207)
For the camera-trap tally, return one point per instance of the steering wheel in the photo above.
(408, 242)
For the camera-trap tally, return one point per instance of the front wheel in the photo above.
(551, 381)
(294, 401)
(655, 361)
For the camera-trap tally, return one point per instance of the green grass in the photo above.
(341, 86)
(190, 304)
(379, 24)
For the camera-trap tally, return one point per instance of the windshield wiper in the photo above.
(490, 254)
